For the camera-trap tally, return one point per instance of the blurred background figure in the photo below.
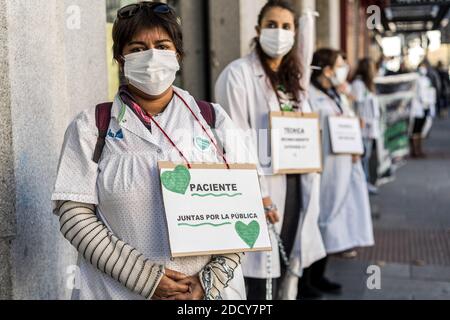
(345, 219)
(344, 87)
(421, 109)
(435, 79)
(368, 109)
(444, 96)
(381, 66)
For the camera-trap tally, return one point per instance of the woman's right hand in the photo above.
(170, 285)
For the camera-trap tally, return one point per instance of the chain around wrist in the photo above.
(270, 208)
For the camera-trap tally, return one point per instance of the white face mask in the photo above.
(340, 76)
(423, 71)
(152, 71)
(277, 43)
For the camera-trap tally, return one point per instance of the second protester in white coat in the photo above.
(269, 79)
(345, 217)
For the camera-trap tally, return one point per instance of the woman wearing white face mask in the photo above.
(368, 109)
(269, 79)
(108, 195)
(345, 219)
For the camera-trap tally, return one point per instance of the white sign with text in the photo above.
(346, 137)
(213, 210)
(296, 143)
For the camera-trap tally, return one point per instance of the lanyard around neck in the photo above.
(297, 108)
(333, 95)
(203, 128)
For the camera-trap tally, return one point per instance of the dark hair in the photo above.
(364, 71)
(125, 29)
(290, 71)
(424, 63)
(323, 58)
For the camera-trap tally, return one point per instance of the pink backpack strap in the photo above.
(208, 112)
(102, 120)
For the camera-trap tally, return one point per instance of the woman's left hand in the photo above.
(355, 158)
(271, 215)
(196, 291)
(362, 123)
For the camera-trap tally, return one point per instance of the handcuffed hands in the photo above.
(177, 286)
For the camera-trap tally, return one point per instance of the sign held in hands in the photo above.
(346, 137)
(213, 210)
(296, 143)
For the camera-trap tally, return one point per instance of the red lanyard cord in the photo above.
(221, 154)
(204, 129)
(171, 141)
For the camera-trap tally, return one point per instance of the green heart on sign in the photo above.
(249, 233)
(176, 181)
(202, 144)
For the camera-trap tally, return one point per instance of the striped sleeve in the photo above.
(110, 255)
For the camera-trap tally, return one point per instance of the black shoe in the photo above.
(327, 286)
(307, 292)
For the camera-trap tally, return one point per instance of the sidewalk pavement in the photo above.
(412, 232)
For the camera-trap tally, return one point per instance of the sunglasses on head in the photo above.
(133, 9)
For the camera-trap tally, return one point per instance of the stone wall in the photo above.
(7, 183)
(55, 68)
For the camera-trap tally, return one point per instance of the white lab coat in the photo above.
(244, 91)
(345, 218)
(425, 97)
(425, 100)
(368, 109)
(125, 185)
